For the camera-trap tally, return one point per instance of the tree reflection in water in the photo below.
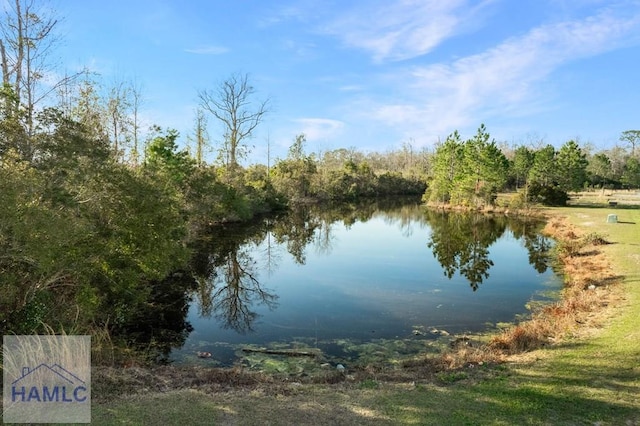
(228, 287)
(460, 242)
(538, 246)
(227, 276)
(227, 273)
(224, 275)
(235, 290)
(161, 323)
(297, 231)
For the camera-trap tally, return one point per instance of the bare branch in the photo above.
(231, 105)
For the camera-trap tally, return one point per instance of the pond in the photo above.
(362, 283)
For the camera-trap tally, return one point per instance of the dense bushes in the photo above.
(548, 195)
(337, 177)
(85, 239)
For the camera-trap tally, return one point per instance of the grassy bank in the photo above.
(591, 376)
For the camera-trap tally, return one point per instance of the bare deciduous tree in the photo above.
(200, 136)
(27, 36)
(119, 121)
(137, 100)
(232, 105)
(631, 137)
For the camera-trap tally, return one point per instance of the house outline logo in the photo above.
(56, 369)
(23, 390)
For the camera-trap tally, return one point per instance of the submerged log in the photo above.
(285, 352)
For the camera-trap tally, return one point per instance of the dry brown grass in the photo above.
(114, 382)
(589, 287)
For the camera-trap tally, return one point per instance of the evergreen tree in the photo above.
(571, 167)
(523, 159)
(468, 173)
(544, 167)
(447, 161)
(631, 174)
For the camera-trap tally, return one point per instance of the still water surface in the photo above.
(341, 280)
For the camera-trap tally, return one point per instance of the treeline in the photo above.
(86, 238)
(342, 174)
(472, 172)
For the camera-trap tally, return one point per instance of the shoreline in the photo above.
(588, 375)
(546, 326)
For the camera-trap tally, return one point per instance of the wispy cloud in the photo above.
(508, 79)
(207, 50)
(279, 15)
(319, 129)
(351, 88)
(402, 29)
(300, 49)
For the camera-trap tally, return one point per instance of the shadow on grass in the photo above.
(603, 206)
(580, 384)
(590, 388)
(190, 407)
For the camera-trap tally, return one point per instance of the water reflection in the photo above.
(297, 231)
(161, 324)
(234, 267)
(460, 242)
(227, 276)
(227, 271)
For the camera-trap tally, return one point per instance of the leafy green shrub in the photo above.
(548, 195)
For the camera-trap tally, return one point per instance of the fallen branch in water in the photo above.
(285, 352)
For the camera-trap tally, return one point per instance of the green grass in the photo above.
(591, 380)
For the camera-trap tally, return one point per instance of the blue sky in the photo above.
(375, 74)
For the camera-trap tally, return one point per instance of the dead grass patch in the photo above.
(590, 286)
(115, 382)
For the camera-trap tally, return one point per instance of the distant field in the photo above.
(604, 198)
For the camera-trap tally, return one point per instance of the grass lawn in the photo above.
(589, 379)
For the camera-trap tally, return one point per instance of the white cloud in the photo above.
(300, 49)
(402, 29)
(208, 50)
(351, 88)
(288, 13)
(508, 79)
(319, 129)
